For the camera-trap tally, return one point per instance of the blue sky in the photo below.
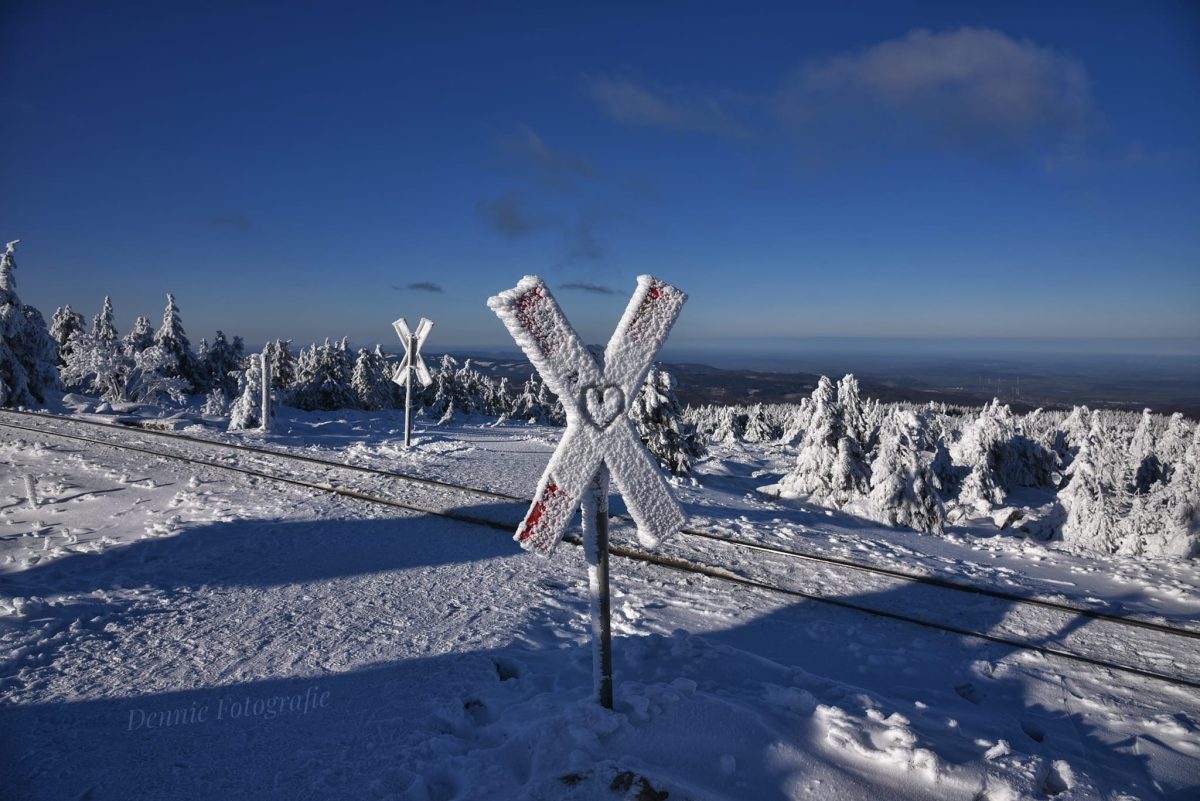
(809, 169)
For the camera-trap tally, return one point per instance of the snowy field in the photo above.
(174, 630)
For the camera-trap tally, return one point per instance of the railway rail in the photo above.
(449, 500)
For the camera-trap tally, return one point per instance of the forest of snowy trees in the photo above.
(1108, 481)
(1103, 480)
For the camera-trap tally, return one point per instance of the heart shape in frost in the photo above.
(604, 404)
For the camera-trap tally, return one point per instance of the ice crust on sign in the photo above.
(596, 402)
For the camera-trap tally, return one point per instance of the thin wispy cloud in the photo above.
(633, 104)
(424, 286)
(595, 289)
(507, 215)
(550, 168)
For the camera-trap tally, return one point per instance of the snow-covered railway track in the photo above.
(114, 431)
(431, 496)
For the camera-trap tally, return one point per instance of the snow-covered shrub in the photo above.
(147, 381)
(215, 404)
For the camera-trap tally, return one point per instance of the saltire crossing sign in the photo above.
(600, 438)
(410, 364)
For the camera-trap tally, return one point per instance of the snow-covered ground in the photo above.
(178, 631)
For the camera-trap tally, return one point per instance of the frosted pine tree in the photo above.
(527, 407)
(63, 325)
(759, 427)
(181, 361)
(1173, 446)
(797, 422)
(221, 364)
(501, 401)
(1147, 470)
(852, 411)
(323, 375)
(658, 417)
(28, 355)
(140, 337)
(246, 412)
(830, 468)
(1073, 433)
(1095, 509)
(980, 451)
(729, 425)
(902, 486)
(103, 328)
(371, 380)
(283, 364)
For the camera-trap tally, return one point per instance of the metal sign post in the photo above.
(411, 363)
(266, 392)
(600, 438)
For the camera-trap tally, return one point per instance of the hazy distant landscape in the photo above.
(1061, 374)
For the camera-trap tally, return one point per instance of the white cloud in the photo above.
(633, 104)
(973, 87)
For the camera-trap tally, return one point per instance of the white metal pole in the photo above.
(408, 382)
(594, 508)
(266, 392)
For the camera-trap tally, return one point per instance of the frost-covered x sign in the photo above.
(596, 400)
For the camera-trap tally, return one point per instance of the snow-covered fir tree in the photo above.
(902, 485)
(980, 452)
(372, 382)
(283, 364)
(65, 323)
(1172, 447)
(103, 328)
(759, 426)
(181, 360)
(28, 355)
(140, 337)
(221, 364)
(1095, 508)
(658, 418)
(246, 411)
(323, 374)
(852, 412)
(729, 424)
(1144, 464)
(529, 406)
(830, 468)
(1072, 434)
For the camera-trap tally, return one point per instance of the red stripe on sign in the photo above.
(654, 294)
(535, 514)
(526, 312)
